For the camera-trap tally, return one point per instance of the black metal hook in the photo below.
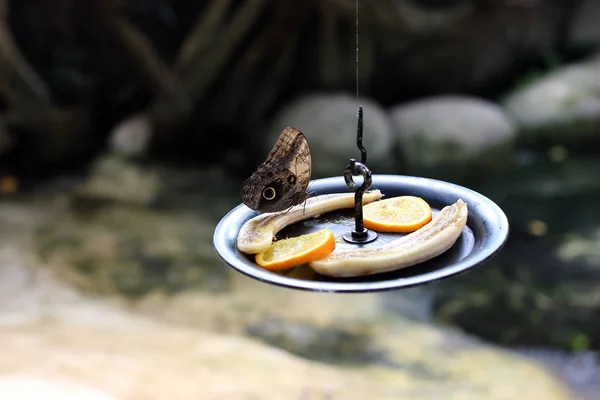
(359, 137)
(359, 234)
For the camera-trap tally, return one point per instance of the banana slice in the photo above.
(424, 244)
(257, 233)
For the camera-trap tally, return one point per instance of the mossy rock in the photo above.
(542, 289)
(132, 250)
(333, 344)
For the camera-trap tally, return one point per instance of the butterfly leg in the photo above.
(288, 210)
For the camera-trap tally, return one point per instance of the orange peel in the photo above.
(294, 251)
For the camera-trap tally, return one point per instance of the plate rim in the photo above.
(494, 241)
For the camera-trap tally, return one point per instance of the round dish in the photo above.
(485, 234)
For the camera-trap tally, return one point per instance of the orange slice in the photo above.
(288, 253)
(397, 214)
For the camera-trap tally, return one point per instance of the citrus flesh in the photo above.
(401, 214)
(291, 252)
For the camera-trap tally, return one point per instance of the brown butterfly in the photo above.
(281, 181)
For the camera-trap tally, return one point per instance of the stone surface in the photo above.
(581, 370)
(542, 289)
(327, 344)
(118, 352)
(446, 136)
(560, 107)
(130, 250)
(121, 358)
(131, 138)
(585, 249)
(192, 344)
(115, 178)
(24, 388)
(329, 122)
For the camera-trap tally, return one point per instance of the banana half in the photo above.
(431, 240)
(421, 245)
(257, 233)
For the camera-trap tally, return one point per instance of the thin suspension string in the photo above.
(356, 49)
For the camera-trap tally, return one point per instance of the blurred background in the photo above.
(128, 126)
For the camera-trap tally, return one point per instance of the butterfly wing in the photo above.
(281, 181)
(300, 162)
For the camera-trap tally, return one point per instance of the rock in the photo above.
(13, 278)
(116, 248)
(583, 249)
(355, 329)
(24, 286)
(329, 122)
(211, 190)
(189, 344)
(328, 344)
(131, 250)
(131, 138)
(230, 310)
(581, 369)
(415, 303)
(120, 358)
(585, 31)
(542, 289)
(20, 387)
(118, 352)
(560, 107)
(114, 178)
(445, 137)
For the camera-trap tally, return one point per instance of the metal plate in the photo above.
(486, 231)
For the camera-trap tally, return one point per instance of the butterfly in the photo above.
(282, 180)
